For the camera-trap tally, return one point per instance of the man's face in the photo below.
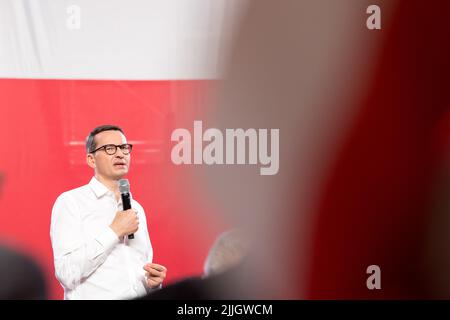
(111, 167)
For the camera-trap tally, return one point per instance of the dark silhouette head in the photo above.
(20, 277)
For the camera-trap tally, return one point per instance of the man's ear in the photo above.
(90, 160)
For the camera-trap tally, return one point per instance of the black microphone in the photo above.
(124, 188)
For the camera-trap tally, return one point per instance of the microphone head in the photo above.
(124, 186)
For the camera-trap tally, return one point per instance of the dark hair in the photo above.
(21, 276)
(90, 141)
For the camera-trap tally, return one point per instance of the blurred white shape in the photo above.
(135, 40)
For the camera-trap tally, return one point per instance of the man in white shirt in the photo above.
(94, 259)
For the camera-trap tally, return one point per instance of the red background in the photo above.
(39, 120)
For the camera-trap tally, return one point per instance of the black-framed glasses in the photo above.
(111, 149)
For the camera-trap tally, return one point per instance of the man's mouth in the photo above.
(120, 164)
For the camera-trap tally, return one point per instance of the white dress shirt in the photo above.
(90, 260)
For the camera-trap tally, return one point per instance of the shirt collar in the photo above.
(99, 188)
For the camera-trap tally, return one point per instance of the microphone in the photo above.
(124, 188)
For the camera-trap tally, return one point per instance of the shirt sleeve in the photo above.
(75, 258)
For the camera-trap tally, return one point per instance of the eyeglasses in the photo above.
(111, 149)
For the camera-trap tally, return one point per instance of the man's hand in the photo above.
(155, 274)
(125, 223)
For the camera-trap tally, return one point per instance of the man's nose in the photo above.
(119, 153)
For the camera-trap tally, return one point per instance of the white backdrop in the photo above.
(115, 39)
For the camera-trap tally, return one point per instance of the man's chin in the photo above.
(119, 174)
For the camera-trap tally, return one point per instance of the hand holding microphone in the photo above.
(125, 222)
